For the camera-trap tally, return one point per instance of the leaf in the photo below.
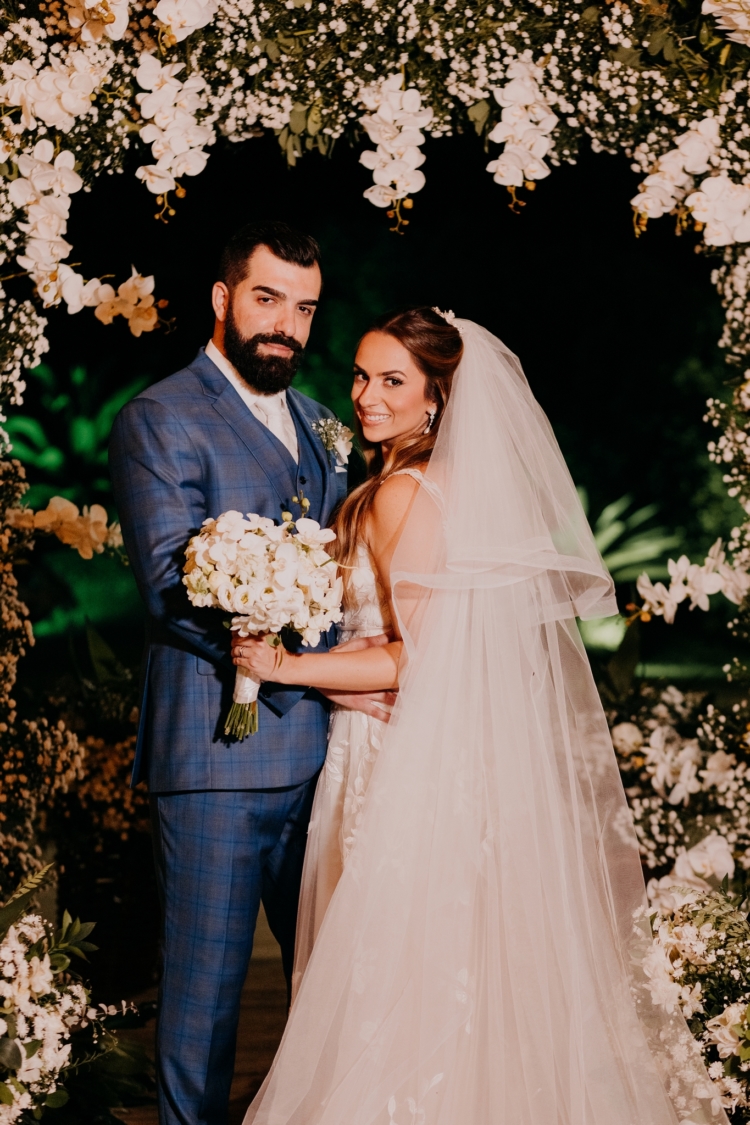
(82, 437)
(314, 121)
(107, 668)
(621, 668)
(11, 1053)
(657, 41)
(57, 1098)
(590, 14)
(629, 56)
(6, 1097)
(22, 896)
(478, 114)
(670, 50)
(298, 118)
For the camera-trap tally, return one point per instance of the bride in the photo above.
(468, 953)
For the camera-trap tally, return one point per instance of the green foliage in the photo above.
(64, 441)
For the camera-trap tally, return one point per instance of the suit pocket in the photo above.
(205, 667)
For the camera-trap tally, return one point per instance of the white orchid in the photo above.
(96, 19)
(525, 128)
(57, 94)
(182, 17)
(712, 857)
(724, 208)
(721, 1030)
(672, 176)
(395, 126)
(732, 16)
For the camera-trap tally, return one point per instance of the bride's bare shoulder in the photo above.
(389, 510)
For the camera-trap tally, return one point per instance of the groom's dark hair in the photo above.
(283, 241)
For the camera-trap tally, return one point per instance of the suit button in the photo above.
(303, 480)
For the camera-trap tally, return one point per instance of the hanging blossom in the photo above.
(672, 176)
(95, 19)
(525, 128)
(395, 123)
(173, 131)
(57, 94)
(689, 580)
(43, 190)
(732, 16)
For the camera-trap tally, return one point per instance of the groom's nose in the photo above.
(285, 321)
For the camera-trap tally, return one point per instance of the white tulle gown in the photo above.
(478, 961)
(354, 742)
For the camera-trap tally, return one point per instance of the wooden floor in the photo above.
(262, 1020)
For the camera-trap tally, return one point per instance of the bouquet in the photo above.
(271, 577)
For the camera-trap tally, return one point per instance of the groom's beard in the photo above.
(267, 374)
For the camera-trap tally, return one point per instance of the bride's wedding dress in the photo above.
(481, 958)
(354, 743)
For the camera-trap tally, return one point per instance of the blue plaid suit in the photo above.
(230, 818)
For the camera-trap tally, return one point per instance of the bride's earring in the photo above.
(431, 416)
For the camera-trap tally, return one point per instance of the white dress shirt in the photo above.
(271, 410)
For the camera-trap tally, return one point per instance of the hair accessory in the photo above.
(431, 415)
(450, 316)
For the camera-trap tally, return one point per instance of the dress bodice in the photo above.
(368, 613)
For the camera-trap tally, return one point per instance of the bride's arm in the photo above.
(370, 669)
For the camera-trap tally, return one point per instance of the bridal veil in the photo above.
(479, 962)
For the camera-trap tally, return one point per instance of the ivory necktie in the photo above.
(272, 408)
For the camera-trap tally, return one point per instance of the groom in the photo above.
(230, 818)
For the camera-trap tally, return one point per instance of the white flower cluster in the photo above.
(267, 576)
(689, 580)
(88, 532)
(672, 177)
(394, 123)
(37, 1014)
(173, 131)
(697, 963)
(57, 94)
(524, 128)
(732, 16)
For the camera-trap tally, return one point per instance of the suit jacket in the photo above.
(184, 450)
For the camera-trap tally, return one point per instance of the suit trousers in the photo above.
(218, 854)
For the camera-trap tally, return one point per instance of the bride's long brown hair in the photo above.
(435, 347)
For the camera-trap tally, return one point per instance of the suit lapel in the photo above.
(329, 490)
(260, 443)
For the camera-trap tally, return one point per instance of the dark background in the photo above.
(617, 333)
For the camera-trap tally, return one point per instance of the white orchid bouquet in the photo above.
(271, 577)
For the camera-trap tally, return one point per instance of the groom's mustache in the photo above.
(267, 374)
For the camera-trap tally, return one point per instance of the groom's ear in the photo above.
(220, 300)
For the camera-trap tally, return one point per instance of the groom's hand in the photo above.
(377, 704)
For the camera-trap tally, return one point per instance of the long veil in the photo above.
(479, 962)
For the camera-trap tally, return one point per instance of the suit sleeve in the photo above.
(156, 479)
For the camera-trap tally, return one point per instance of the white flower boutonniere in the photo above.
(336, 438)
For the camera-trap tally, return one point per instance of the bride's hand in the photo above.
(263, 660)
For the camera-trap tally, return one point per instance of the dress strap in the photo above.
(418, 476)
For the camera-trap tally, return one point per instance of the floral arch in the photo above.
(90, 86)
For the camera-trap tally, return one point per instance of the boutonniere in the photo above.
(336, 438)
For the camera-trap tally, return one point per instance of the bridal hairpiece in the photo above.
(449, 316)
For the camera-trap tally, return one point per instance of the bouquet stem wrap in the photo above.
(242, 719)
